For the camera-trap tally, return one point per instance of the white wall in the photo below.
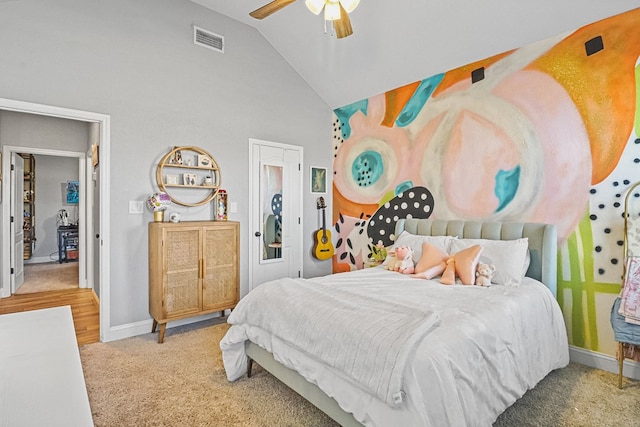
(135, 61)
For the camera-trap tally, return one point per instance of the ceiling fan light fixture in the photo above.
(349, 5)
(332, 10)
(315, 6)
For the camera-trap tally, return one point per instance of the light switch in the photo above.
(233, 207)
(135, 207)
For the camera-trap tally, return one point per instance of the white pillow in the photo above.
(511, 257)
(415, 242)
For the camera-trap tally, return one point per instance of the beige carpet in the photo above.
(49, 276)
(138, 382)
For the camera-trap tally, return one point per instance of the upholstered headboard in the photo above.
(543, 240)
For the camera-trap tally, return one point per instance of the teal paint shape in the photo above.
(507, 183)
(404, 186)
(367, 168)
(418, 99)
(344, 115)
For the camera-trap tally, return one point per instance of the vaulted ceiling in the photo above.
(402, 41)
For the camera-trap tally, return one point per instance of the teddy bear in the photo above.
(390, 261)
(484, 274)
(404, 260)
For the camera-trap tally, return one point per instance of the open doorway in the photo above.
(52, 222)
(50, 202)
(93, 239)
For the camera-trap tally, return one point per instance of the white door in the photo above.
(17, 233)
(276, 211)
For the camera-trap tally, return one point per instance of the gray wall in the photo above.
(29, 130)
(135, 61)
(51, 173)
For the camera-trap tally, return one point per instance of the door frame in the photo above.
(104, 122)
(84, 209)
(253, 256)
(16, 227)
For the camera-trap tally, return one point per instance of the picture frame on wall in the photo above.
(95, 153)
(318, 180)
(73, 193)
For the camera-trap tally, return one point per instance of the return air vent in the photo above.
(208, 39)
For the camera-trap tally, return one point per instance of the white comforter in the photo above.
(484, 348)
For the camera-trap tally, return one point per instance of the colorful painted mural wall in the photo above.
(545, 133)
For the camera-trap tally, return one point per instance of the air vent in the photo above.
(208, 39)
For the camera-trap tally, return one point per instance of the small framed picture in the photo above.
(175, 158)
(204, 161)
(189, 178)
(318, 180)
(171, 179)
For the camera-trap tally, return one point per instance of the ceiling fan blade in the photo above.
(270, 8)
(343, 25)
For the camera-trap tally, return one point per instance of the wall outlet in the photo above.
(135, 207)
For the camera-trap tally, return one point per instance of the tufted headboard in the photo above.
(543, 240)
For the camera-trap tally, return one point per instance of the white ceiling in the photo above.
(403, 41)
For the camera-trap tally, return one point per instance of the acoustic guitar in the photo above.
(323, 248)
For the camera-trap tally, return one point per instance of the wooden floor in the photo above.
(84, 303)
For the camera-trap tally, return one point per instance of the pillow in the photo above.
(462, 264)
(511, 257)
(432, 262)
(415, 242)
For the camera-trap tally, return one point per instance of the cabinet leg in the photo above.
(163, 327)
(154, 326)
(620, 363)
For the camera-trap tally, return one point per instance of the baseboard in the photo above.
(605, 362)
(144, 327)
(39, 260)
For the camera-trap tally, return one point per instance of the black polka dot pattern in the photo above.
(417, 202)
(607, 232)
(338, 137)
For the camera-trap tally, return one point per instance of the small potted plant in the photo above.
(378, 253)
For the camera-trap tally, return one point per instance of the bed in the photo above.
(461, 354)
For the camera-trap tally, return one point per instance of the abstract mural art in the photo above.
(543, 133)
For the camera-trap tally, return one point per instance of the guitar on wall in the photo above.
(323, 248)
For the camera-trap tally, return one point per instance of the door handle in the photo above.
(258, 234)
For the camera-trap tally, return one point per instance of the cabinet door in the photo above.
(181, 281)
(221, 278)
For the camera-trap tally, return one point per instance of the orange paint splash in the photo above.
(602, 85)
(395, 101)
(459, 74)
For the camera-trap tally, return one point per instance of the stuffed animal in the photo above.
(404, 261)
(390, 262)
(484, 274)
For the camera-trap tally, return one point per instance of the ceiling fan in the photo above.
(336, 11)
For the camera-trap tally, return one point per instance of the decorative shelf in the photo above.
(200, 166)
